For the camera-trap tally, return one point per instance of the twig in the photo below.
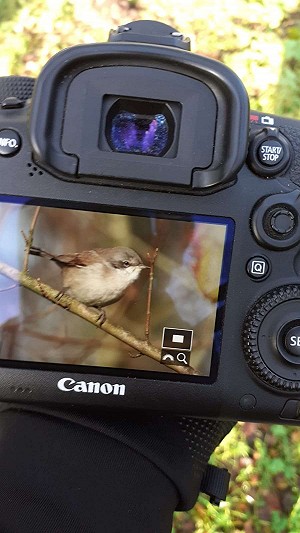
(13, 286)
(149, 297)
(29, 239)
(88, 314)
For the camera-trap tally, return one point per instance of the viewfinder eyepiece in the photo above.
(140, 127)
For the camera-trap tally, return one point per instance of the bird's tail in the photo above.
(33, 250)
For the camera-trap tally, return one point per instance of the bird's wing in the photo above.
(69, 260)
(78, 260)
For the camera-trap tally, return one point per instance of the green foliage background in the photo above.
(260, 40)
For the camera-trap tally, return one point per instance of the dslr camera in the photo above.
(149, 244)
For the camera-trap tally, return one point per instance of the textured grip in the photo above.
(19, 86)
(202, 436)
(293, 172)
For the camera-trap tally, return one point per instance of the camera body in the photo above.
(140, 128)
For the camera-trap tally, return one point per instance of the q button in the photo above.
(10, 143)
(258, 268)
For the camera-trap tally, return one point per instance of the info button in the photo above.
(10, 142)
(258, 268)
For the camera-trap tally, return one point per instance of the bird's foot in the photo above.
(67, 300)
(59, 296)
(102, 316)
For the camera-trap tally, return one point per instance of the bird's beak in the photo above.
(145, 266)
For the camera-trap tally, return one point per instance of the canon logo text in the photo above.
(90, 387)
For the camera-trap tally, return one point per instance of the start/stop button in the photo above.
(269, 152)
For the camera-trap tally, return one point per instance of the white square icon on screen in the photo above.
(178, 338)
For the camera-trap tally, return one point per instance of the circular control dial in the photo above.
(282, 221)
(275, 221)
(271, 335)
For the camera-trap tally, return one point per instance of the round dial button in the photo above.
(270, 152)
(10, 142)
(258, 268)
(248, 401)
(282, 220)
(292, 340)
(275, 221)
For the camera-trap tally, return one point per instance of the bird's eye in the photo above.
(126, 264)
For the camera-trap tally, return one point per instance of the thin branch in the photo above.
(88, 314)
(29, 239)
(13, 286)
(149, 297)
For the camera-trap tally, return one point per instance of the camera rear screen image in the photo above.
(146, 279)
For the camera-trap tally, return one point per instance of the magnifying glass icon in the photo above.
(181, 358)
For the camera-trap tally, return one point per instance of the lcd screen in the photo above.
(160, 279)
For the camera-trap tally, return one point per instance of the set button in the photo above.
(288, 338)
(292, 340)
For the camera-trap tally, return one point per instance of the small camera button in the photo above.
(12, 102)
(270, 152)
(10, 142)
(283, 221)
(275, 221)
(258, 268)
(288, 340)
(292, 340)
(247, 402)
(291, 410)
(280, 222)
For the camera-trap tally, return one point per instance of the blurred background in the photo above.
(260, 40)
